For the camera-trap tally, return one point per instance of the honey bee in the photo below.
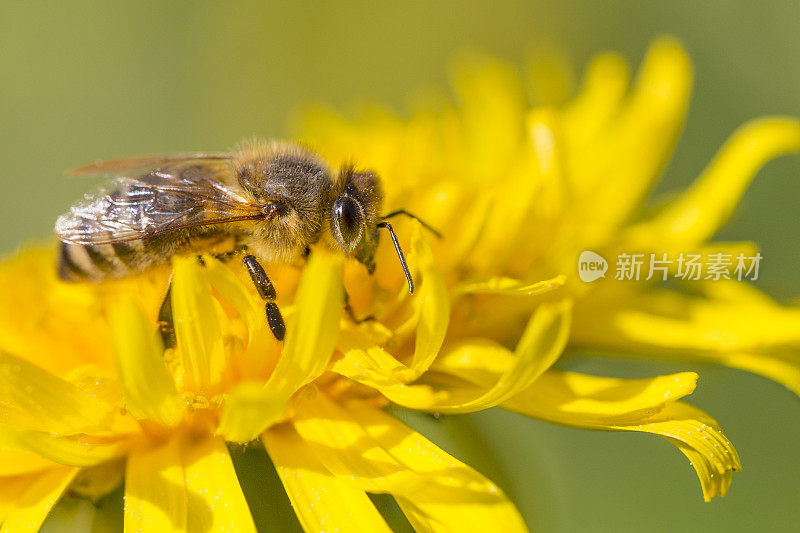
(269, 201)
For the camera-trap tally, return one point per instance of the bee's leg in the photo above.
(166, 326)
(352, 314)
(266, 290)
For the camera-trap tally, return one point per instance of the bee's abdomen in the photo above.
(79, 262)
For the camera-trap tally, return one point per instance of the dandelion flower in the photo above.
(88, 395)
(547, 182)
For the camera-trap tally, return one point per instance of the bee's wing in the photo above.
(137, 165)
(173, 197)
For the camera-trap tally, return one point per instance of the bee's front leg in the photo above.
(266, 290)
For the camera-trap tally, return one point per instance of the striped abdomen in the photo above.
(97, 262)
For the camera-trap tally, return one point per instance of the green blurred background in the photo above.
(106, 79)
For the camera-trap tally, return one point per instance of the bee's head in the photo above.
(354, 214)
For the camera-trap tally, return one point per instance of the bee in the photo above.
(268, 200)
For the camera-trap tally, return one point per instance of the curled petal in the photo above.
(701, 439)
(541, 345)
(642, 405)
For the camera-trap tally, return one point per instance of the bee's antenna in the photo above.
(399, 254)
(415, 217)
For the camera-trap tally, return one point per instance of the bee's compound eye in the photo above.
(347, 222)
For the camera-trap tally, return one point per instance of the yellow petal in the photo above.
(369, 364)
(472, 227)
(155, 490)
(541, 345)
(701, 439)
(49, 402)
(72, 451)
(25, 504)
(549, 74)
(310, 339)
(642, 405)
(647, 406)
(433, 307)
(465, 501)
(738, 330)
(41, 316)
(510, 287)
(311, 335)
(14, 462)
(603, 88)
(371, 449)
(619, 169)
(321, 501)
(262, 348)
(492, 103)
(540, 196)
(214, 499)
(700, 211)
(197, 329)
(598, 400)
(147, 385)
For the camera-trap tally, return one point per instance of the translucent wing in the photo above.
(174, 196)
(137, 165)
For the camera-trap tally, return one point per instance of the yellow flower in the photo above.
(77, 413)
(88, 394)
(521, 191)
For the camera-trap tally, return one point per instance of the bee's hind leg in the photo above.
(166, 326)
(267, 292)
